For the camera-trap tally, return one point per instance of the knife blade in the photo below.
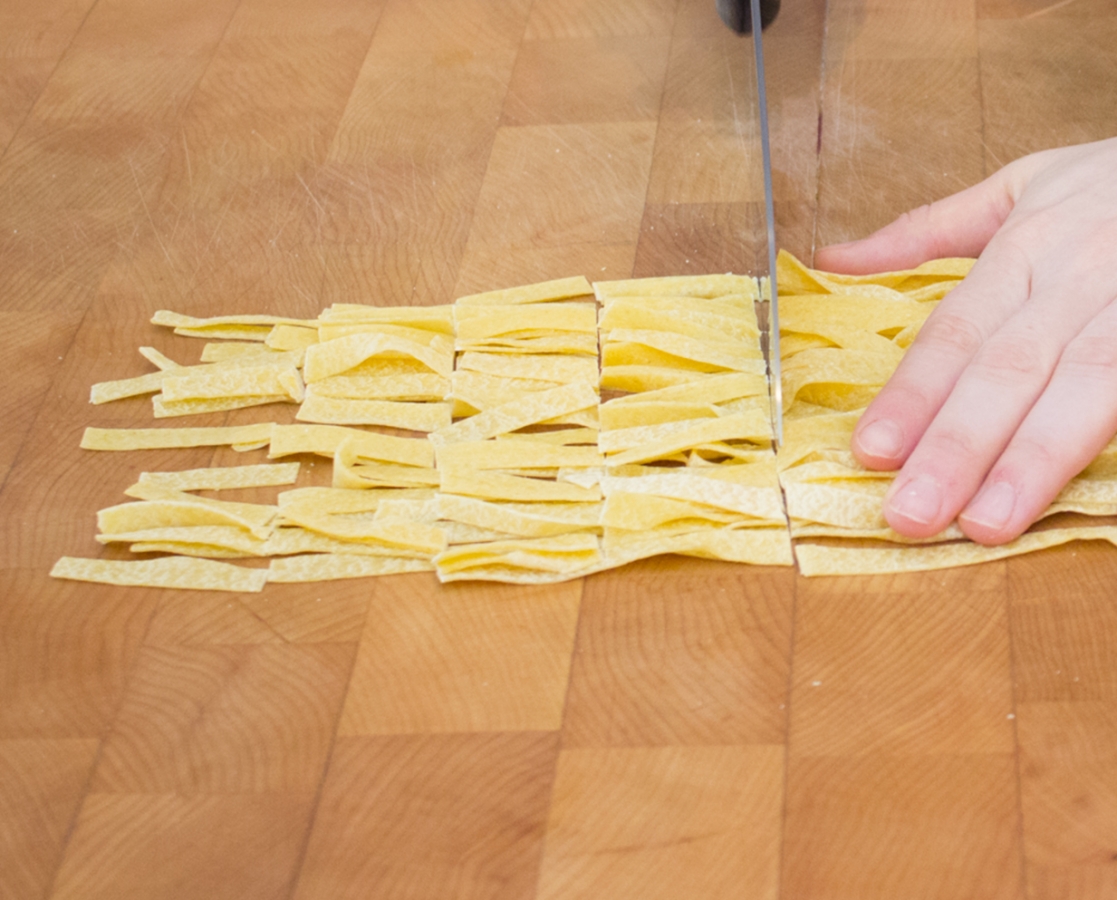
(739, 16)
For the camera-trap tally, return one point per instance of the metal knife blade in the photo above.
(775, 386)
(739, 16)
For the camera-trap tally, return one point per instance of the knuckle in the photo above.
(1015, 242)
(953, 447)
(1091, 356)
(952, 333)
(1011, 264)
(1029, 455)
(1013, 360)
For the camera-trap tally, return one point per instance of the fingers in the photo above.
(1011, 387)
(988, 402)
(964, 321)
(1067, 427)
(959, 225)
(1004, 386)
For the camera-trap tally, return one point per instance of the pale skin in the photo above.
(1010, 389)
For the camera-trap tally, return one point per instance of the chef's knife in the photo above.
(739, 15)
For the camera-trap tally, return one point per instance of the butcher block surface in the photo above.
(673, 729)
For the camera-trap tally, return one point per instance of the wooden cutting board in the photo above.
(675, 729)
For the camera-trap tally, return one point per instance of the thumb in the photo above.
(958, 225)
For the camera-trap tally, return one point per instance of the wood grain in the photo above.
(609, 163)
(551, 84)
(41, 784)
(1063, 647)
(486, 268)
(431, 816)
(1064, 627)
(599, 18)
(946, 689)
(31, 43)
(1069, 794)
(902, 93)
(471, 657)
(654, 667)
(183, 726)
(68, 651)
(678, 728)
(176, 846)
(32, 343)
(640, 822)
(289, 616)
(882, 826)
(692, 238)
(1049, 105)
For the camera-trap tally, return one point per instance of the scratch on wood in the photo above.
(147, 211)
(1048, 9)
(189, 166)
(310, 194)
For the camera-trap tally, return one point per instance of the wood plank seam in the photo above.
(312, 817)
(72, 827)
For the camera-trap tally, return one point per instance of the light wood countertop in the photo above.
(675, 729)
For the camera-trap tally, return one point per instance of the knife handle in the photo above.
(738, 16)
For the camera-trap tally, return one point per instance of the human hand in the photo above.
(1010, 389)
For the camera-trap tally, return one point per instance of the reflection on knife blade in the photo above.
(739, 16)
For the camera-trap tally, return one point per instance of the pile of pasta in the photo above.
(309, 534)
(688, 445)
(841, 338)
(526, 389)
(541, 433)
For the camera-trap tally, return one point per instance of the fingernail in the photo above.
(992, 507)
(883, 439)
(917, 501)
